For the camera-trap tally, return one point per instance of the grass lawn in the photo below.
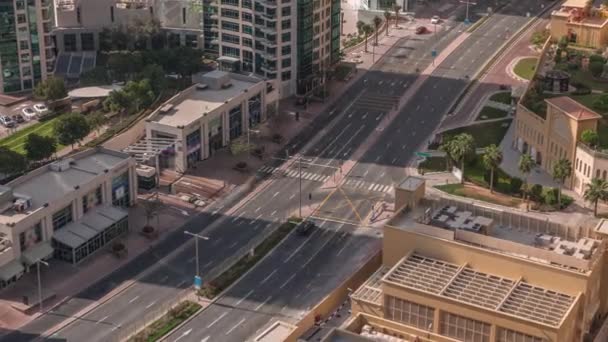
(16, 141)
(433, 164)
(526, 68)
(485, 134)
(502, 97)
(480, 194)
(488, 112)
(585, 77)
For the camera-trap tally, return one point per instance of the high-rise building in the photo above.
(26, 48)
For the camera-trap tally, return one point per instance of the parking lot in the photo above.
(12, 106)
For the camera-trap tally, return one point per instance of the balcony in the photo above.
(595, 153)
(268, 3)
(268, 69)
(133, 4)
(67, 5)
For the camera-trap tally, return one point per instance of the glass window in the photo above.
(69, 42)
(286, 37)
(508, 335)
(247, 42)
(286, 11)
(120, 190)
(88, 41)
(230, 38)
(21, 19)
(286, 63)
(62, 217)
(286, 76)
(463, 328)
(247, 4)
(247, 29)
(286, 50)
(236, 122)
(247, 17)
(30, 237)
(231, 2)
(410, 313)
(286, 24)
(230, 26)
(230, 51)
(230, 13)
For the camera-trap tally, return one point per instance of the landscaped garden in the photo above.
(16, 141)
(484, 134)
(526, 68)
(488, 113)
(502, 97)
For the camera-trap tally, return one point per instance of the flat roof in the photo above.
(45, 185)
(93, 92)
(572, 108)
(195, 102)
(371, 290)
(575, 3)
(339, 335)
(411, 183)
(466, 285)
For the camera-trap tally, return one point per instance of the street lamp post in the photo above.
(38, 262)
(196, 237)
(467, 10)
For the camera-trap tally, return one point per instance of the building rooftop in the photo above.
(573, 108)
(57, 180)
(339, 335)
(214, 90)
(575, 3)
(371, 290)
(466, 285)
(508, 233)
(411, 183)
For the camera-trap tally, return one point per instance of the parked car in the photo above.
(305, 227)
(435, 19)
(6, 121)
(421, 30)
(18, 118)
(41, 108)
(29, 113)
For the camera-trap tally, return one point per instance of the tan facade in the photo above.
(580, 28)
(556, 136)
(439, 284)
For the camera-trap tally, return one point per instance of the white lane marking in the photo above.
(262, 304)
(184, 334)
(235, 326)
(292, 196)
(242, 299)
(217, 320)
(101, 320)
(345, 145)
(257, 218)
(287, 281)
(207, 264)
(342, 249)
(150, 305)
(322, 246)
(333, 141)
(206, 339)
(268, 277)
(191, 260)
(258, 209)
(237, 217)
(233, 244)
(181, 283)
(217, 242)
(274, 212)
(304, 242)
(134, 299)
(275, 194)
(116, 327)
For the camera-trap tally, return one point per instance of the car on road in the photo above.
(29, 113)
(18, 118)
(6, 121)
(435, 19)
(305, 227)
(421, 30)
(41, 108)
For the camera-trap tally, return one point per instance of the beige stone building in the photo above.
(457, 271)
(556, 134)
(67, 210)
(581, 28)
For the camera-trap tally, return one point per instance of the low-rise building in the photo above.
(582, 25)
(219, 108)
(67, 210)
(556, 135)
(456, 271)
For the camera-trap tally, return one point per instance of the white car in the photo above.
(29, 113)
(435, 20)
(40, 108)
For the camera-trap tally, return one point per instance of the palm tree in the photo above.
(596, 191)
(360, 25)
(387, 16)
(377, 21)
(562, 170)
(460, 146)
(367, 30)
(492, 157)
(396, 8)
(526, 163)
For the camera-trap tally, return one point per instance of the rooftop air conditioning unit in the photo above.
(22, 204)
(166, 108)
(62, 165)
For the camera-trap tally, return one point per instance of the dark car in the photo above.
(18, 118)
(305, 228)
(421, 30)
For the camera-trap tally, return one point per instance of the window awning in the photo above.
(10, 270)
(94, 222)
(228, 59)
(42, 250)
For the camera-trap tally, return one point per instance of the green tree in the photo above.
(139, 93)
(39, 147)
(156, 75)
(117, 102)
(367, 30)
(562, 170)
(189, 61)
(590, 137)
(540, 37)
(96, 120)
(492, 157)
(11, 162)
(387, 17)
(596, 191)
(460, 147)
(71, 128)
(51, 89)
(596, 68)
(525, 165)
(396, 9)
(360, 25)
(377, 22)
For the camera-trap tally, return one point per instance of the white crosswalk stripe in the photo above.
(296, 174)
(359, 184)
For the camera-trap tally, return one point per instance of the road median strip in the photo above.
(225, 279)
(168, 322)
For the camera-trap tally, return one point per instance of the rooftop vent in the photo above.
(62, 165)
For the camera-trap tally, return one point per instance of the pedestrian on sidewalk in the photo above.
(310, 196)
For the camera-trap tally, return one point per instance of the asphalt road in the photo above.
(359, 111)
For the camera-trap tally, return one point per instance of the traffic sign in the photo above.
(198, 282)
(434, 53)
(423, 154)
(466, 21)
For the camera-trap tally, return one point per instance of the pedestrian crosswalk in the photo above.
(361, 184)
(294, 173)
